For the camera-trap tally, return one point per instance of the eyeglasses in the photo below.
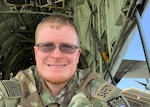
(50, 47)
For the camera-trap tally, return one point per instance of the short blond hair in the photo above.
(56, 21)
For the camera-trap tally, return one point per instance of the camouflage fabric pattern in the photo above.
(34, 92)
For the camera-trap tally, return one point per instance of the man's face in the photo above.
(56, 67)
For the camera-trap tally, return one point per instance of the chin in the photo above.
(58, 82)
(58, 79)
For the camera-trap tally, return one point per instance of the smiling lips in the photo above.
(56, 66)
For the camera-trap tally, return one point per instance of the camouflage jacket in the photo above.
(27, 89)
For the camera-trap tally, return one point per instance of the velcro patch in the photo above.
(117, 102)
(105, 91)
(10, 88)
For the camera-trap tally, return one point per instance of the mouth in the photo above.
(56, 66)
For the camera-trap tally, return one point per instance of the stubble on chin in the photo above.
(58, 80)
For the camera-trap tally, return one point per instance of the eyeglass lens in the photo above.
(49, 47)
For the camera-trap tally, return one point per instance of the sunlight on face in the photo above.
(57, 67)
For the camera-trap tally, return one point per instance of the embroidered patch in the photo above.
(117, 102)
(10, 88)
(105, 91)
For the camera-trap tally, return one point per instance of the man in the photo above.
(55, 81)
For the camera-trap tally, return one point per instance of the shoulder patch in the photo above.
(10, 89)
(117, 102)
(105, 92)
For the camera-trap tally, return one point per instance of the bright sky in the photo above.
(135, 51)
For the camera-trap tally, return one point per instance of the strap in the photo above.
(85, 88)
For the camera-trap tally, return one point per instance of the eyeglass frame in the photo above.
(73, 47)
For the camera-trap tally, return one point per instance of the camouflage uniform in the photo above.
(27, 89)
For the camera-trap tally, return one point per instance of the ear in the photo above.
(35, 50)
(78, 54)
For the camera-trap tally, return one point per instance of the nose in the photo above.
(56, 53)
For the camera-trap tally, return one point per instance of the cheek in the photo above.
(74, 60)
(40, 57)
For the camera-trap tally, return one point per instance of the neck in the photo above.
(55, 88)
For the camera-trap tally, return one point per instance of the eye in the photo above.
(48, 45)
(67, 46)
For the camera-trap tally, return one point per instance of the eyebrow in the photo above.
(58, 44)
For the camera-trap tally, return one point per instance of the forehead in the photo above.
(54, 32)
(54, 26)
